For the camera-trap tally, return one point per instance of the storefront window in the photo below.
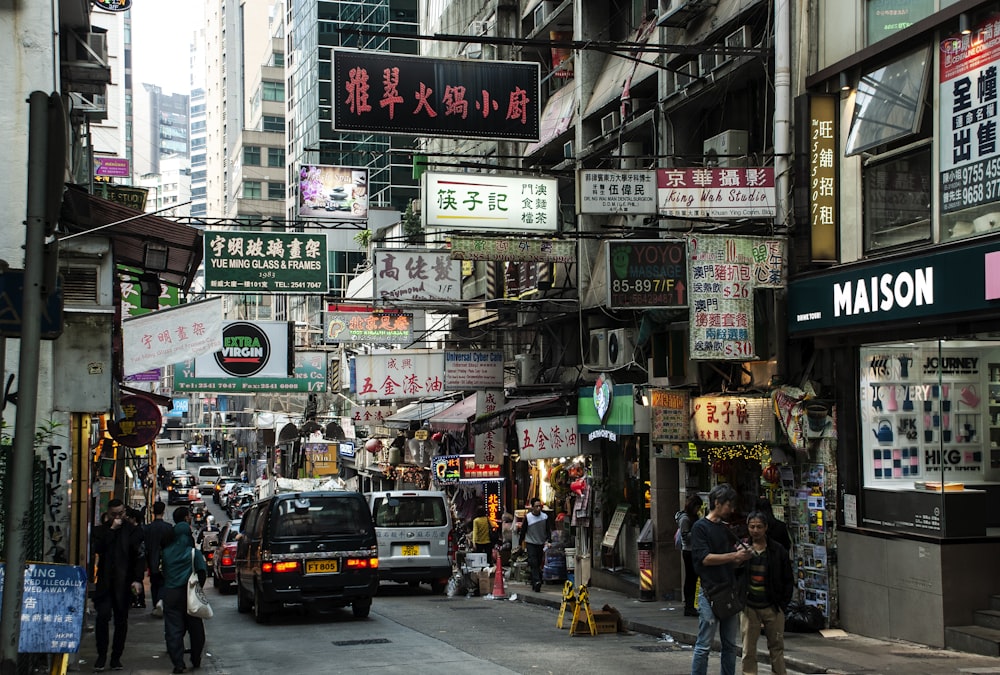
(930, 413)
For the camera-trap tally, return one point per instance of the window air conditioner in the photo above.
(610, 122)
(542, 12)
(727, 149)
(527, 369)
(739, 39)
(670, 84)
(621, 347)
(568, 150)
(597, 353)
(707, 63)
(478, 28)
(687, 74)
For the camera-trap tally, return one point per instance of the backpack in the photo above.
(678, 537)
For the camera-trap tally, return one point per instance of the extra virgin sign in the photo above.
(395, 94)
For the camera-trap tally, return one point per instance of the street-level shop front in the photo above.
(911, 349)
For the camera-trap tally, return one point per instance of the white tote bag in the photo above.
(197, 603)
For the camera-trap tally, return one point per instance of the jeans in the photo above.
(729, 635)
(112, 603)
(176, 621)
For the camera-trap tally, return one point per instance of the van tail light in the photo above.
(280, 566)
(362, 563)
(452, 545)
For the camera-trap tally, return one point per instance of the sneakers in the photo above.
(99, 664)
(116, 665)
(158, 609)
(177, 669)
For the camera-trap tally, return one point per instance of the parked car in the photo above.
(182, 488)
(314, 549)
(220, 483)
(207, 475)
(416, 542)
(224, 563)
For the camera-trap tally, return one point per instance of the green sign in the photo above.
(309, 376)
(516, 250)
(621, 417)
(266, 262)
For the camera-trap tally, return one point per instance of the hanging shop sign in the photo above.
(969, 155)
(371, 415)
(399, 374)
(670, 411)
(716, 193)
(54, 598)
(956, 280)
(364, 324)
(489, 446)
(132, 197)
(732, 419)
(388, 93)
(321, 458)
(647, 273)
(266, 262)
(117, 167)
(462, 201)
(548, 437)
(723, 273)
(612, 191)
(513, 250)
(170, 335)
(473, 370)
(605, 411)
(446, 469)
(139, 424)
(416, 274)
(113, 6)
(823, 171)
(309, 374)
(333, 192)
(493, 502)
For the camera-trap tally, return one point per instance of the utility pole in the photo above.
(17, 520)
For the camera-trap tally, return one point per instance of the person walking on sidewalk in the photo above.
(121, 566)
(481, 539)
(769, 591)
(535, 531)
(177, 564)
(715, 559)
(685, 521)
(158, 533)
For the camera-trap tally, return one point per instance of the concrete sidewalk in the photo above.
(842, 653)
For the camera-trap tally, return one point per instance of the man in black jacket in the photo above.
(158, 534)
(769, 591)
(120, 567)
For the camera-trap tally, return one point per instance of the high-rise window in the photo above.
(276, 157)
(251, 189)
(273, 123)
(272, 91)
(276, 190)
(251, 155)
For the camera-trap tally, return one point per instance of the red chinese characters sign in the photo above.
(399, 374)
(732, 419)
(395, 94)
(548, 437)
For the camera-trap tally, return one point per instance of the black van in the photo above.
(316, 549)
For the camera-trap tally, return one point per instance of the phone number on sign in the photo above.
(642, 285)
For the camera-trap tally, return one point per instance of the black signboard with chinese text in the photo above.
(395, 94)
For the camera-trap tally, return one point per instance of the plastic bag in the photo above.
(803, 618)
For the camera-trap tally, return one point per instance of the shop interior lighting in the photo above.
(964, 24)
(845, 83)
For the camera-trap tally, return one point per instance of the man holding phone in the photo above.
(120, 566)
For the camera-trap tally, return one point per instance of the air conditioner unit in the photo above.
(568, 152)
(670, 87)
(479, 28)
(727, 149)
(542, 12)
(631, 155)
(739, 39)
(621, 347)
(415, 205)
(610, 122)
(89, 48)
(707, 63)
(597, 353)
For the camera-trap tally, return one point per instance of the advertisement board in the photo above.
(462, 201)
(266, 262)
(647, 273)
(712, 192)
(399, 374)
(334, 192)
(416, 274)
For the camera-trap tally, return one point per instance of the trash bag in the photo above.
(803, 618)
(456, 585)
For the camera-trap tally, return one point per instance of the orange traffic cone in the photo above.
(498, 590)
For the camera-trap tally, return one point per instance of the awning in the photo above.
(83, 212)
(557, 117)
(455, 418)
(620, 73)
(505, 415)
(416, 412)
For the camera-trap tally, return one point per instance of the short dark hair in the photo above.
(723, 493)
(159, 508)
(757, 514)
(115, 503)
(536, 500)
(181, 513)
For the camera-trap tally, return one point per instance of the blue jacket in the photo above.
(176, 559)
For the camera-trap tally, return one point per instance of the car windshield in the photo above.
(183, 481)
(320, 516)
(403, 511)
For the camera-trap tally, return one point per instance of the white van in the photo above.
(415, 538)
(207, 475)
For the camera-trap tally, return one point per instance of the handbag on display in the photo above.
(197, 603)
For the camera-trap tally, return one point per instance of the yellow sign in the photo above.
(421, 434)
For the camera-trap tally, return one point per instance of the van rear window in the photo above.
(318, 516)
(410, 512)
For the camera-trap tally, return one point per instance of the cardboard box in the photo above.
(485, 582)
(606, 622)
